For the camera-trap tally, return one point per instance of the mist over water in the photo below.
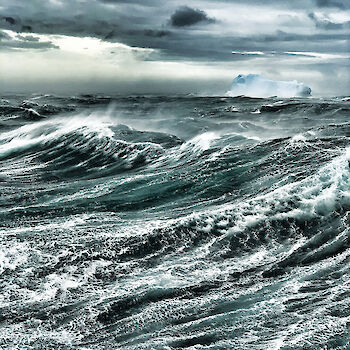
(149, 222)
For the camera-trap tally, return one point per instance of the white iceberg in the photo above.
(254, 85)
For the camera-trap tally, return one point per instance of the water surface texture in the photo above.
(174, 223)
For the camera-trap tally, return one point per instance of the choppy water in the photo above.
(174, 223)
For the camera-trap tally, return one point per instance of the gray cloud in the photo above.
(156, 33)
(10, 20)
(273, 27)
(4, 35)
(44, 45)
(187, 16)
(119, 21)
(146, 24)
(24, 42)
(333, 3)
(27, 38)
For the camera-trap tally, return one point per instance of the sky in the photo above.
(172, 46)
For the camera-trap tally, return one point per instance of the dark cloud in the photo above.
(145, 24)
(249, 54)
(156, 33)
(118, 22)
(111, 2)
(26, 28)
(10, 20)
(44, 45)
(187, 16)
(27, 38)
(333, 3)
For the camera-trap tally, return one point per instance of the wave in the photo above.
(208, 169)
(305, 107)
(86, 146)
(292, 211)
(223, 264)
(31, 111)
(316, 197)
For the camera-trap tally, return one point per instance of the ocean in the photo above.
(174, 222)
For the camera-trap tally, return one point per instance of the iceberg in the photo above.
(255, 85)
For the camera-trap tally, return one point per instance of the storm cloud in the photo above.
(187, 16)
(221, 35)
(333, 3)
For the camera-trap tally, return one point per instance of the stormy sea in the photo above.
(181, 222)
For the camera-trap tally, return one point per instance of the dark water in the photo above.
(174, 223)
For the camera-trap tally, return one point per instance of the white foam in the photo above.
(12, 256)
(318, 195)
(298, 138)
(257, 111)
(201, 142)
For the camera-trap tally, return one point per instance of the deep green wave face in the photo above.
(174, 223)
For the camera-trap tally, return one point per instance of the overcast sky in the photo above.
(172, 46)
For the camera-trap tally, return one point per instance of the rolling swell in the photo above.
(80, 150)
(177, 222)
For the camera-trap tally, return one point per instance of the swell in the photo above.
(308, 219)
(83, 148)
(31, 111)
(306, 107)
(314, 209)
(202, 172)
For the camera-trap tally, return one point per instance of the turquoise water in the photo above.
(179, 222)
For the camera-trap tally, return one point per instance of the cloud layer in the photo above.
(187, 16)
(239, 35)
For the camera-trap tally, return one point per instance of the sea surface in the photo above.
(183, 222)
